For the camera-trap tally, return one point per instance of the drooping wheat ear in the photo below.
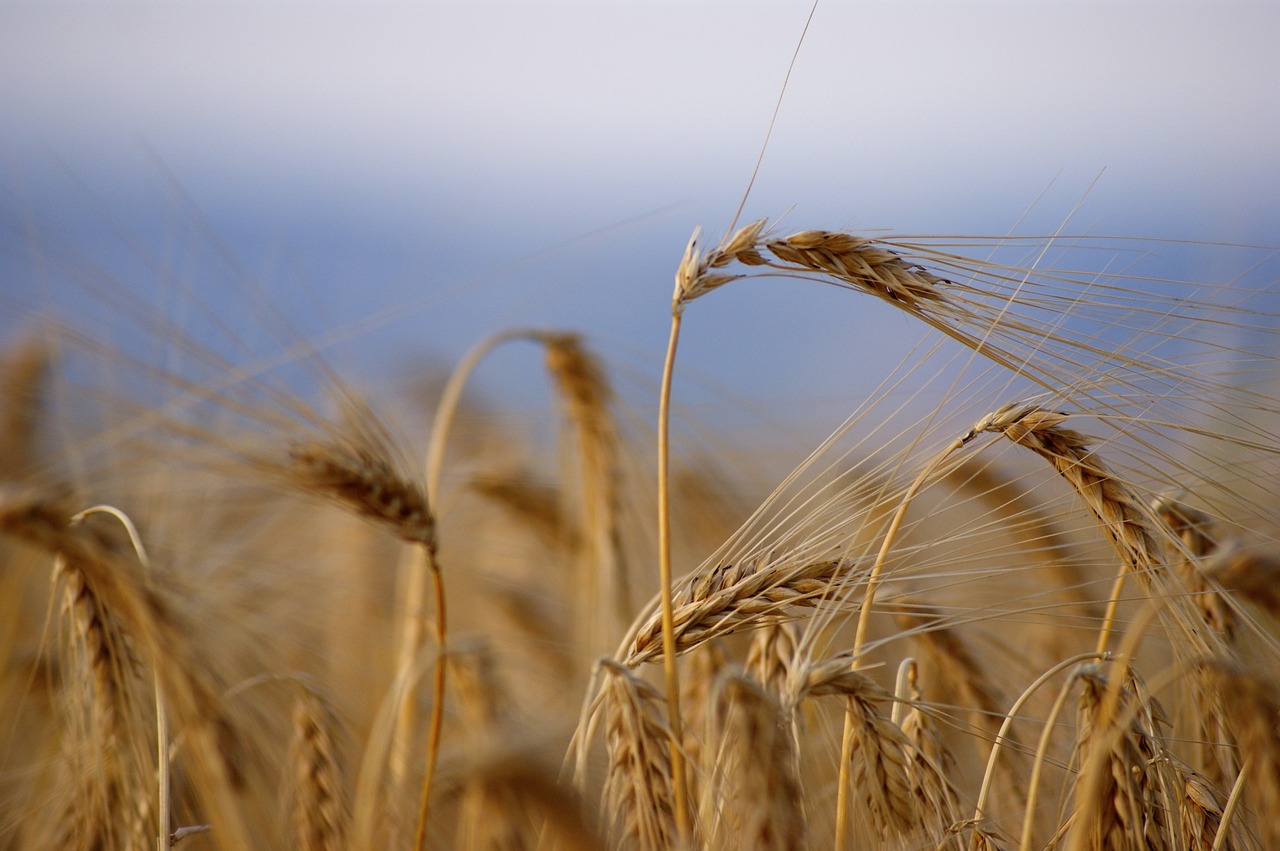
(1123, 748)
(317, 799)
(694, 277)
(762, 801)
(604, 603)
(1252, 705)
(22, 375)
(1124, 519)
(893, 786)
(1200, 539)
(638, 786)
(1121, 514)
(772, 655)
(120, 594)
(1253, 574)
(361, 477)
(1030, 522)
(744, 595)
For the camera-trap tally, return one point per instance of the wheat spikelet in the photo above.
(1202, 817)
(739, 596)
(762, 806)
(638, 787)
(319, 814)
(694, 277)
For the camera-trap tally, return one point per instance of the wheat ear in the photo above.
(319, 810)
(763, 805)
(893, 779)
(586, 397)
(740, 596)
(114, 584)
(1122, 516)
(639, 785)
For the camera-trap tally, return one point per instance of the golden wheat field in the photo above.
(1024, 596)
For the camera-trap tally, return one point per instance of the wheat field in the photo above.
(1025, 602)
(1024, 596)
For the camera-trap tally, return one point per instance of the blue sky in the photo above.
(454, 169)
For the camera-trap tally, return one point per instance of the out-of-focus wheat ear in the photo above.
(317, 795)
(518, 804)
(1127, 789)
(490, 814)
(1251, 573)
(118, 588)
(482, 702)
(1200, 539)
(1033, 526)
(359, 470)
(1252, 705)
(703, 668)
(638, 785)
(361, 477)
(23, 372)
(773, 653)
(892, 799)
(604, 600)
(105, 784)
(761, 800)
(743, 595)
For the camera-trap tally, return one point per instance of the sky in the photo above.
(410, 177)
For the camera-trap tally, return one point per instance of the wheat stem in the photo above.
(679, 788)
